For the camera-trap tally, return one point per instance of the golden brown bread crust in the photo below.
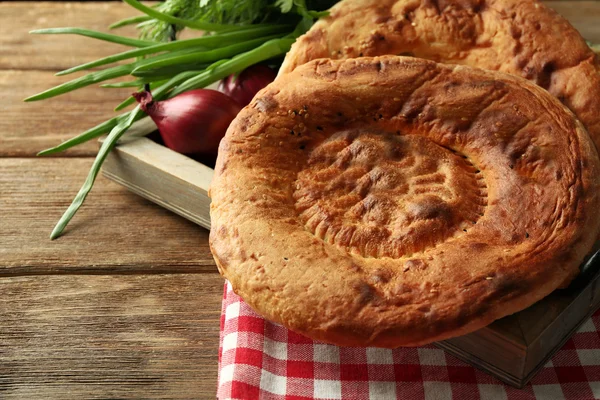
(520, 37)
(394, 201)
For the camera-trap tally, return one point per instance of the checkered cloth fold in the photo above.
(262, 360)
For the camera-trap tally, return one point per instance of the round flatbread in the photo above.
(394, 201)
(520, 37)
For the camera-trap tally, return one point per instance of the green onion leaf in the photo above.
(238, 63)
(90, 134)
(201, 57)
(164, 86)
(209, 41)
(168, 70)
(153, 81)
(125, 103)
(85, 80)
(100, 76)
(129, 21)
(318, 14)
(107, 37)
(129, 84)
(105, 149)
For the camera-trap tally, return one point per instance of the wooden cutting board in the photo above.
(512, 349)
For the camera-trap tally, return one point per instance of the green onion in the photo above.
(153, 81)
(86, 80)
(106, 147)
(268, 50)
(90, 134)
(203, 57)
(179, 66)
(189, 57)
(101, 76)
(125, 103)
(121, 124)
(168, 70)
(130, 21)
(227, 67)
(209, 41)
(238, 63)
(119, 85)
(161, 89)
(96, 35)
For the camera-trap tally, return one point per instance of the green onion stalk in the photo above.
(236, 35)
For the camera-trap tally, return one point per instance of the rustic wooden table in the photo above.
(127, 303)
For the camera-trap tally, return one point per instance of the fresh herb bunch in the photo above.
(238, 34)
(161, 31)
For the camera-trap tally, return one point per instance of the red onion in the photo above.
(193, 122)
(243, 87)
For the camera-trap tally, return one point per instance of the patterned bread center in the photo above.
(384, 194)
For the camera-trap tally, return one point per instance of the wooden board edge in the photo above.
(130, 164)
(135, 144)
(169, 161)
(480, 364)
(593, 307)
(502, 375)
(140, 191)
(560, 344)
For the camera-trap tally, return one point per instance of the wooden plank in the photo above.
(114, 232)
(135, 336)
(27, 128)
(473, 349)
(20, 50)
(563, 306)
(556, 334)
(583, 15)
(499, 355)
(163, 176)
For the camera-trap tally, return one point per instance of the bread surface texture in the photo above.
(520, 37)
(393, 201)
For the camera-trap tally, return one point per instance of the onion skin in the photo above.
(192, 123)
(243, 88)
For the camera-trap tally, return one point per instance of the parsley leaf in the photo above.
(285, 5)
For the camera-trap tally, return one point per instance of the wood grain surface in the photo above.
(115, 231)
(28, 128)
(23, 51)
(122, 320)
(165, 177)
(81, 337)
(583, 15)
(132, 334)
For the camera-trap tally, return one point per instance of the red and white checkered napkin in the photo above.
(262, 360)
